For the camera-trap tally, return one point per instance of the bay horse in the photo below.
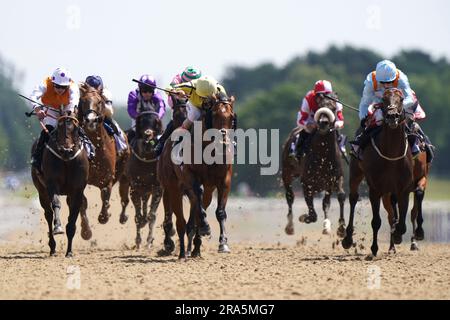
(387, 166)
(65, 169)
(105, 168)
(319, 170)
(140, 175)
(172, 186)
(217, 114)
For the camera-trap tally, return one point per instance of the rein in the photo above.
(388, 158)
(60, 157)
(142, 159)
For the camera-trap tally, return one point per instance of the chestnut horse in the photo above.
(217, 114)
(172, 187)
(105, 168)
(387, 165)
(140, 175)
(319, 170)
(65, 169)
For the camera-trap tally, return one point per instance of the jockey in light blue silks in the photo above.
(387, 76)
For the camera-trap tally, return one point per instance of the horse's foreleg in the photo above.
(74, 203)
(326, 207)
(177, 205)
(105, 195)
(356, 177)
(56, 206)
(376, 222)
(169, 245)
(287, 182)
(202, 223)
(221, 214)
(124, 189)
(400, 227)
(136, 199)
(419, 195)
(311, 216)
(48, 211)
(197, 245)
(387, 203)
(151, 217)
(341, 199)
(86, 232)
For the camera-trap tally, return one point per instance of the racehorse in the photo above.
(319, 170)
(105, 168)
(172, 187)
(218, 114)
(387, 165)
(140, 174)
(65, 169)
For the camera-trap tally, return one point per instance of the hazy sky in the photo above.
(122, 40)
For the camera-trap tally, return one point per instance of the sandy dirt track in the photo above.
(264, 263)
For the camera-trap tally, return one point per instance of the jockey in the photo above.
(198, 91)
(189, 74)
(111, 125)
(305, 118)
(144, 98)
(387, 76)
(60, 94)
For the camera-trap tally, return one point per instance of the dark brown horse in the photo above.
(218, 114)
(105, 168)
(319, 170)
(140, 174)
(172, 187)
(387, 166)
(65, 169)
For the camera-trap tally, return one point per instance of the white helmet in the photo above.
(386, 71)
(61, 77)
(206, 86)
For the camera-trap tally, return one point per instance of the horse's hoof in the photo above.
(69, 255)
(347, 243)
(204, 230)
(419, 234)
(223, 248)
(86, 234)
(58, 230)
(341, 233)
(392, 251)
(188, 254)
(306, 218)
(103, 218)
(326, 226)
(123, 218)
(397, 238)
(289, 230)
(196, 254)
(370, 257)
(414, 247)
(169, 245)
(53, 254)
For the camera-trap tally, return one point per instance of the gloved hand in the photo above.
(39, 113)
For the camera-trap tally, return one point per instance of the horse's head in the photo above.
(91, 107)
(324, 116)
(179, 110)
(392, 107)
(67, 136)
(148, 127)
(222, 115)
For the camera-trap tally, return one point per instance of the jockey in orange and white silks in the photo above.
(384, 77)
(310, 105)
(60, 94)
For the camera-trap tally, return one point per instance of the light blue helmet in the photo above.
(386, 71)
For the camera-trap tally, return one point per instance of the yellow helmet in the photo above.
(206, 86)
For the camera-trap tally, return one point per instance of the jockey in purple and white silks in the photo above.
(144, 98)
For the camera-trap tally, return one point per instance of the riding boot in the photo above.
(302, 144)
(119, 137)
(160, 145)
(36, 157)
(110, 126)
(87, 144)
(342, 140)
(131, 134)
